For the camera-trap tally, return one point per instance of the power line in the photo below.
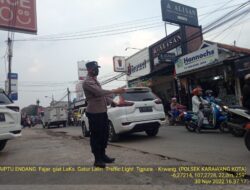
(106, 32)
(240, 32)
(95, 29)
(234, 23)
(213, 26)
(37, 91)
(101, 34)
(218, 10)
(239, 23)
(221, 20)
(221, 7)
(114, 25)
(113, 78)
(226, 21)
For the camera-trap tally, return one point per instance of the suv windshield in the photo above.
(4, 99)
(139, 96)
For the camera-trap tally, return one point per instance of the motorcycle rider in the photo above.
(209, 96)
(174, 109)
(198, 105)
(246, 92)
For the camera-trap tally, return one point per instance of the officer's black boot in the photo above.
(107, 159)
(99, 161)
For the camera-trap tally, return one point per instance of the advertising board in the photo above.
(18, 16)
(178, 13)
(197, 59)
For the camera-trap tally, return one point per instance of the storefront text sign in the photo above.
(138, 65)
(18, 15)
(166, 44)
(197, 59)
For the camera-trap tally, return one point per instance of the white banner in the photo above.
(201, 58)
(79, 91)
(82, 70)
(14, 86)
(138, 65)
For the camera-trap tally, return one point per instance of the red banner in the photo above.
(18, 15)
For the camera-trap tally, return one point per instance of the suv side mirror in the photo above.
(113, 105)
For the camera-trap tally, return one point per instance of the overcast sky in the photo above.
(47, 68)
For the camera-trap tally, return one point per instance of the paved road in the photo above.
(65, 147)
(209, 147)
(56, 149)
(175, 142)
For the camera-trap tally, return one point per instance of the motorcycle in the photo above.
(238, 119)
(215, 118)
(173, 120)
(247, 136)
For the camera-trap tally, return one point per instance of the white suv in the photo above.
(139, 109)
(10, 120)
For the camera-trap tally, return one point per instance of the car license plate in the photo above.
(146, 109)
(2, 117)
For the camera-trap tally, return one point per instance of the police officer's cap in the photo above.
(92, 65)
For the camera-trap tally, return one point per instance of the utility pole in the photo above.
(166, 30)
(37, 105)
(10, 55)
(68, 94)
(69, 111)
(53, 101)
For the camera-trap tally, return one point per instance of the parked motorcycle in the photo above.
(247, 136)
(238, 119)
(215, 118)
(26, 122)
(177, 120)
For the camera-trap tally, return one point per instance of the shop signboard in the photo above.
(167, 57)
(178, 13)
(198, 59)
(138, 65)
(18, 15)
(14, 86)
(82, 70)
(242, 67)
(119, 64)
(166, 44)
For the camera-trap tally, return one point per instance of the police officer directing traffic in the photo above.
(98, 99)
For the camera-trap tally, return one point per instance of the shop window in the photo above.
(227, 92)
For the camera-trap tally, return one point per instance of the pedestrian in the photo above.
(246, 92)
(96, 111)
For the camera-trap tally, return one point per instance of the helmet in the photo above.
(174, 99)
(247, 77)
(209, 92)
(196, 91)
